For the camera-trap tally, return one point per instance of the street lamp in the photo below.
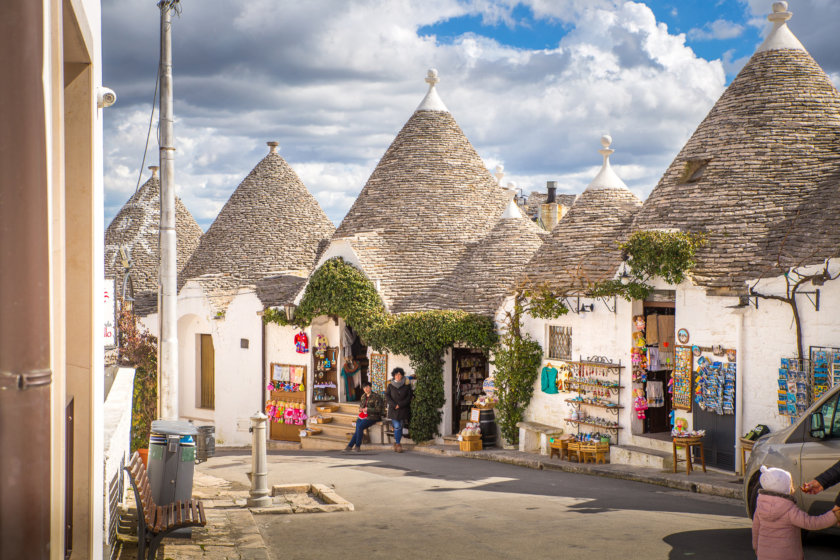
(290, 311)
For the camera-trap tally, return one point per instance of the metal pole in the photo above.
(167, 309)
(259, 465)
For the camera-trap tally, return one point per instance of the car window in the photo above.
(831, 418)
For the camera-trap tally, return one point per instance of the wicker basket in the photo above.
(470, 437)
(327, 408)
(471, 445)
(323, 420)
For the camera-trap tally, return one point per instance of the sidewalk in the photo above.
(232, 533)
(712, 482)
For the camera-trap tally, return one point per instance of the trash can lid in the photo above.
(174, 428)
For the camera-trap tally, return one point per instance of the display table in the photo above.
(746, 445)
(688, 443)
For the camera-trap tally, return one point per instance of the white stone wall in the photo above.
(600, 332)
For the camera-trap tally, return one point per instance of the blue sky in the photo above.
(532, 83)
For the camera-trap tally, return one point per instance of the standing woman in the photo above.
(398, 396)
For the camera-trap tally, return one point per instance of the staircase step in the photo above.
(322, 441)
(349, 408)
(342, 418)
(641, 457)
(451, 440)
(336, 430)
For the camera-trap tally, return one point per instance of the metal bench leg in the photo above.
(153, 546)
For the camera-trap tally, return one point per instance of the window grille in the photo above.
(559, 342)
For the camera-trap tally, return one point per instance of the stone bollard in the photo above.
(259, 465)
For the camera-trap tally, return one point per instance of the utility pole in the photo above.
(167, 294)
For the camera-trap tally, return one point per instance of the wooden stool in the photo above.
(746, 445)
(559, 447)
(573, 448)
(688, 443)
(594, 452)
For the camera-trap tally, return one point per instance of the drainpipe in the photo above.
(739, 384)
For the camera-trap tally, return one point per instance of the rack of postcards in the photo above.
(803, 381)
(715, 385)
(596, 380)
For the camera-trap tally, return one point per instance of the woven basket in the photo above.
(470, 438)
(327, 408)
(323, 420)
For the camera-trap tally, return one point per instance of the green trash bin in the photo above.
(171, 461)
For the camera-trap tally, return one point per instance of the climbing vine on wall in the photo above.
(138, 349)
(339, 288)
(665, 254)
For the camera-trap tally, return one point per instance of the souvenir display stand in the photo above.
(469, 373)
(325, 377)
(598, 400)
(286, 403)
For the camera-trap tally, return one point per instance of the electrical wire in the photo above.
(149, 132)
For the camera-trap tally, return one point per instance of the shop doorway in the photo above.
(354, 365)
(660, 339)
(469, 370)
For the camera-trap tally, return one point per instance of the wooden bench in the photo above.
(154, 522)
(534, 436)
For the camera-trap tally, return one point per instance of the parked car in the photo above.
(806, 448)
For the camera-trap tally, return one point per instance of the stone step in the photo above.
(351, 408)
(451, 440)
(322, 441)
(335, 430)
(665, 445)
(341, 418)
(641, 457)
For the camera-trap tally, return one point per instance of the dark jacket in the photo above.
(374, 406)
(399, 396)
(830, 477)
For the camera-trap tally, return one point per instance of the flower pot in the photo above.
(144, 456)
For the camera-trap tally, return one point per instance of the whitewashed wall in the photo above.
(238, 371)
(600, 332)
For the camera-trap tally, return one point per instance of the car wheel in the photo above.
(753, 495)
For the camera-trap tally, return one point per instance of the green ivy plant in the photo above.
(338, 288)
(138, 349)
(665, 254)
(517, 358)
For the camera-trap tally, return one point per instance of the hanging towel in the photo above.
(347, 338)
(666, 329)
(653, 358)
(655, 394)
(651, 329)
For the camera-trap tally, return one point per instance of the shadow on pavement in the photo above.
(738, 542)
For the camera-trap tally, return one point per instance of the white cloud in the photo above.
(718, 29)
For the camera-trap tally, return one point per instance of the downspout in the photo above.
(739, 383)
(264, 381)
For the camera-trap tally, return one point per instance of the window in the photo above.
(831, 418)
(559, 342)
(693, 170)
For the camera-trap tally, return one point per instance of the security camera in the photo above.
(105, 97)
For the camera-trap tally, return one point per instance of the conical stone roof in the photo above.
(489, 271)
(271, 223)
(429, 198)
(136, 227)
(583, 247)
(748, 175)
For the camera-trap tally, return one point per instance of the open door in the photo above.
(208, 373)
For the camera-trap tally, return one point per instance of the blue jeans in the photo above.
(398, 427)
(361, 425)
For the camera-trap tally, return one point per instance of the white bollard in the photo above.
(259, 465)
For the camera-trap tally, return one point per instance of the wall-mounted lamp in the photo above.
(624, 275)
(587, 307)
(290, 311)
(819, 279)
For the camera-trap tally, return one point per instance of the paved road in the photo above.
(420, 506)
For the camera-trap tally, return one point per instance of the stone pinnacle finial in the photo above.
(154, 170)
(606, 140)
(432, 77)
(780, 13)
(499, 174)
(272, 147)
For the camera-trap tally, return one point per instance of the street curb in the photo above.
(636, 474)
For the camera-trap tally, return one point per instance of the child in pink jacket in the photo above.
(777, 520)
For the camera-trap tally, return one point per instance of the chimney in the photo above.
(272, 147)
(154, 169)
(549, 211)
(551, 187)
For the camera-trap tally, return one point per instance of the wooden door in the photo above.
(208, 373)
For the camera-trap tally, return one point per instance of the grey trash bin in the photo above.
(171, 461)
(205, 444)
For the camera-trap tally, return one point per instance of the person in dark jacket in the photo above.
(370, 412)
(398, 396)
(829, 478)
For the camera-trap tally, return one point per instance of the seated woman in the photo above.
(370, 412)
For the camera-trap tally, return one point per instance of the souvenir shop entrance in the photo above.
(469, 370)
(658, 364)
(354, 366)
